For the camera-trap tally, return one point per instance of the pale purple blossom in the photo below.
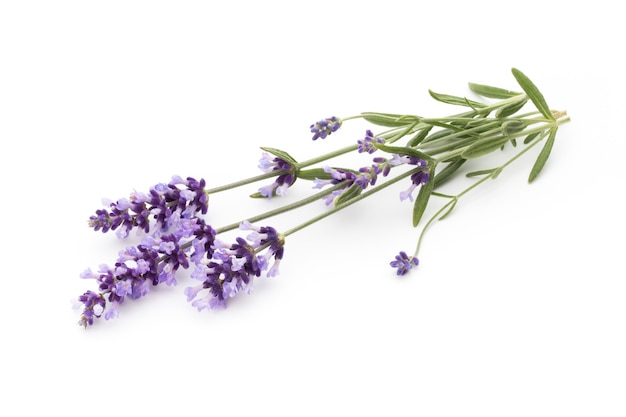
(325, 127)
(367, 144)
(282, 182)
(404, 263)
(233, 267)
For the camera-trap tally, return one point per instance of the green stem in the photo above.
(349, 202)
(283, 209)
(454, 199)
(459, 148)
(329, 155)
(244, 182)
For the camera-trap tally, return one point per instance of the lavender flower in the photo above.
(93, 306)
(366, 176)
(155, 260)
(420, 177)
(175, 236)
(282, 182)
(367, 144)
(161, 203)
(234, 267)
(404, 263)
(325, 127)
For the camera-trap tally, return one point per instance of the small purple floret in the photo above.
(367, 144)
(325, 127)
(232, 268)
(282, 182)
(404, 263)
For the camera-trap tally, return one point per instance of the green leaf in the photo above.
(511, 109)
(511, 127)
(455, 100)
(491, 92)
(389, 119)
(446, 173)
(353, 191)
(419, 137)
(533, 93)
(450, 208)
(311, 174)
(281, 154)
(484, 146)
(451, 125)
(543, 156)
(422, 200)
(402, 150)
(480, 173)
(530, 137)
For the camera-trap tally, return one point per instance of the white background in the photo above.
(517, 308)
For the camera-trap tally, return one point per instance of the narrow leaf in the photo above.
(311, 174)
(443, 125)
(479, 173)
(530, 137)
(419, 137)
(422, 201)
(511, 109)
(389, 119)
(543, 156)
(491, 92)
(281, 154)
(401, 150)
(450, 208)
(511, 127)
(446, 173)
(484, 146)
(353, 191)
(533, 93)
(455, 100)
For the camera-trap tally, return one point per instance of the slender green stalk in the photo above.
(284, 209)
(447, 208)
(243, 182)
(349, 202)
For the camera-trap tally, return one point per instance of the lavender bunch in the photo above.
(424, 153)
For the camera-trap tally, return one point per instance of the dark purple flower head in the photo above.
(283, 181)
(154, 261)
(407, 160)
(185, 197)
(233, 268)
(418, 178)
(367, 144)
(325, 127)
(365, 177)
(93, 305)
(404, 263)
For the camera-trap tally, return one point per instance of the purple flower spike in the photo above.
(159, 255)
(282, 182)
(367, 144)
(233, 268)
(93, 304)
(164, 203)
(417, 179)
(404, 263)
(325, 127)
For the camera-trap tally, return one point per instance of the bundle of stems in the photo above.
(424, 152)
